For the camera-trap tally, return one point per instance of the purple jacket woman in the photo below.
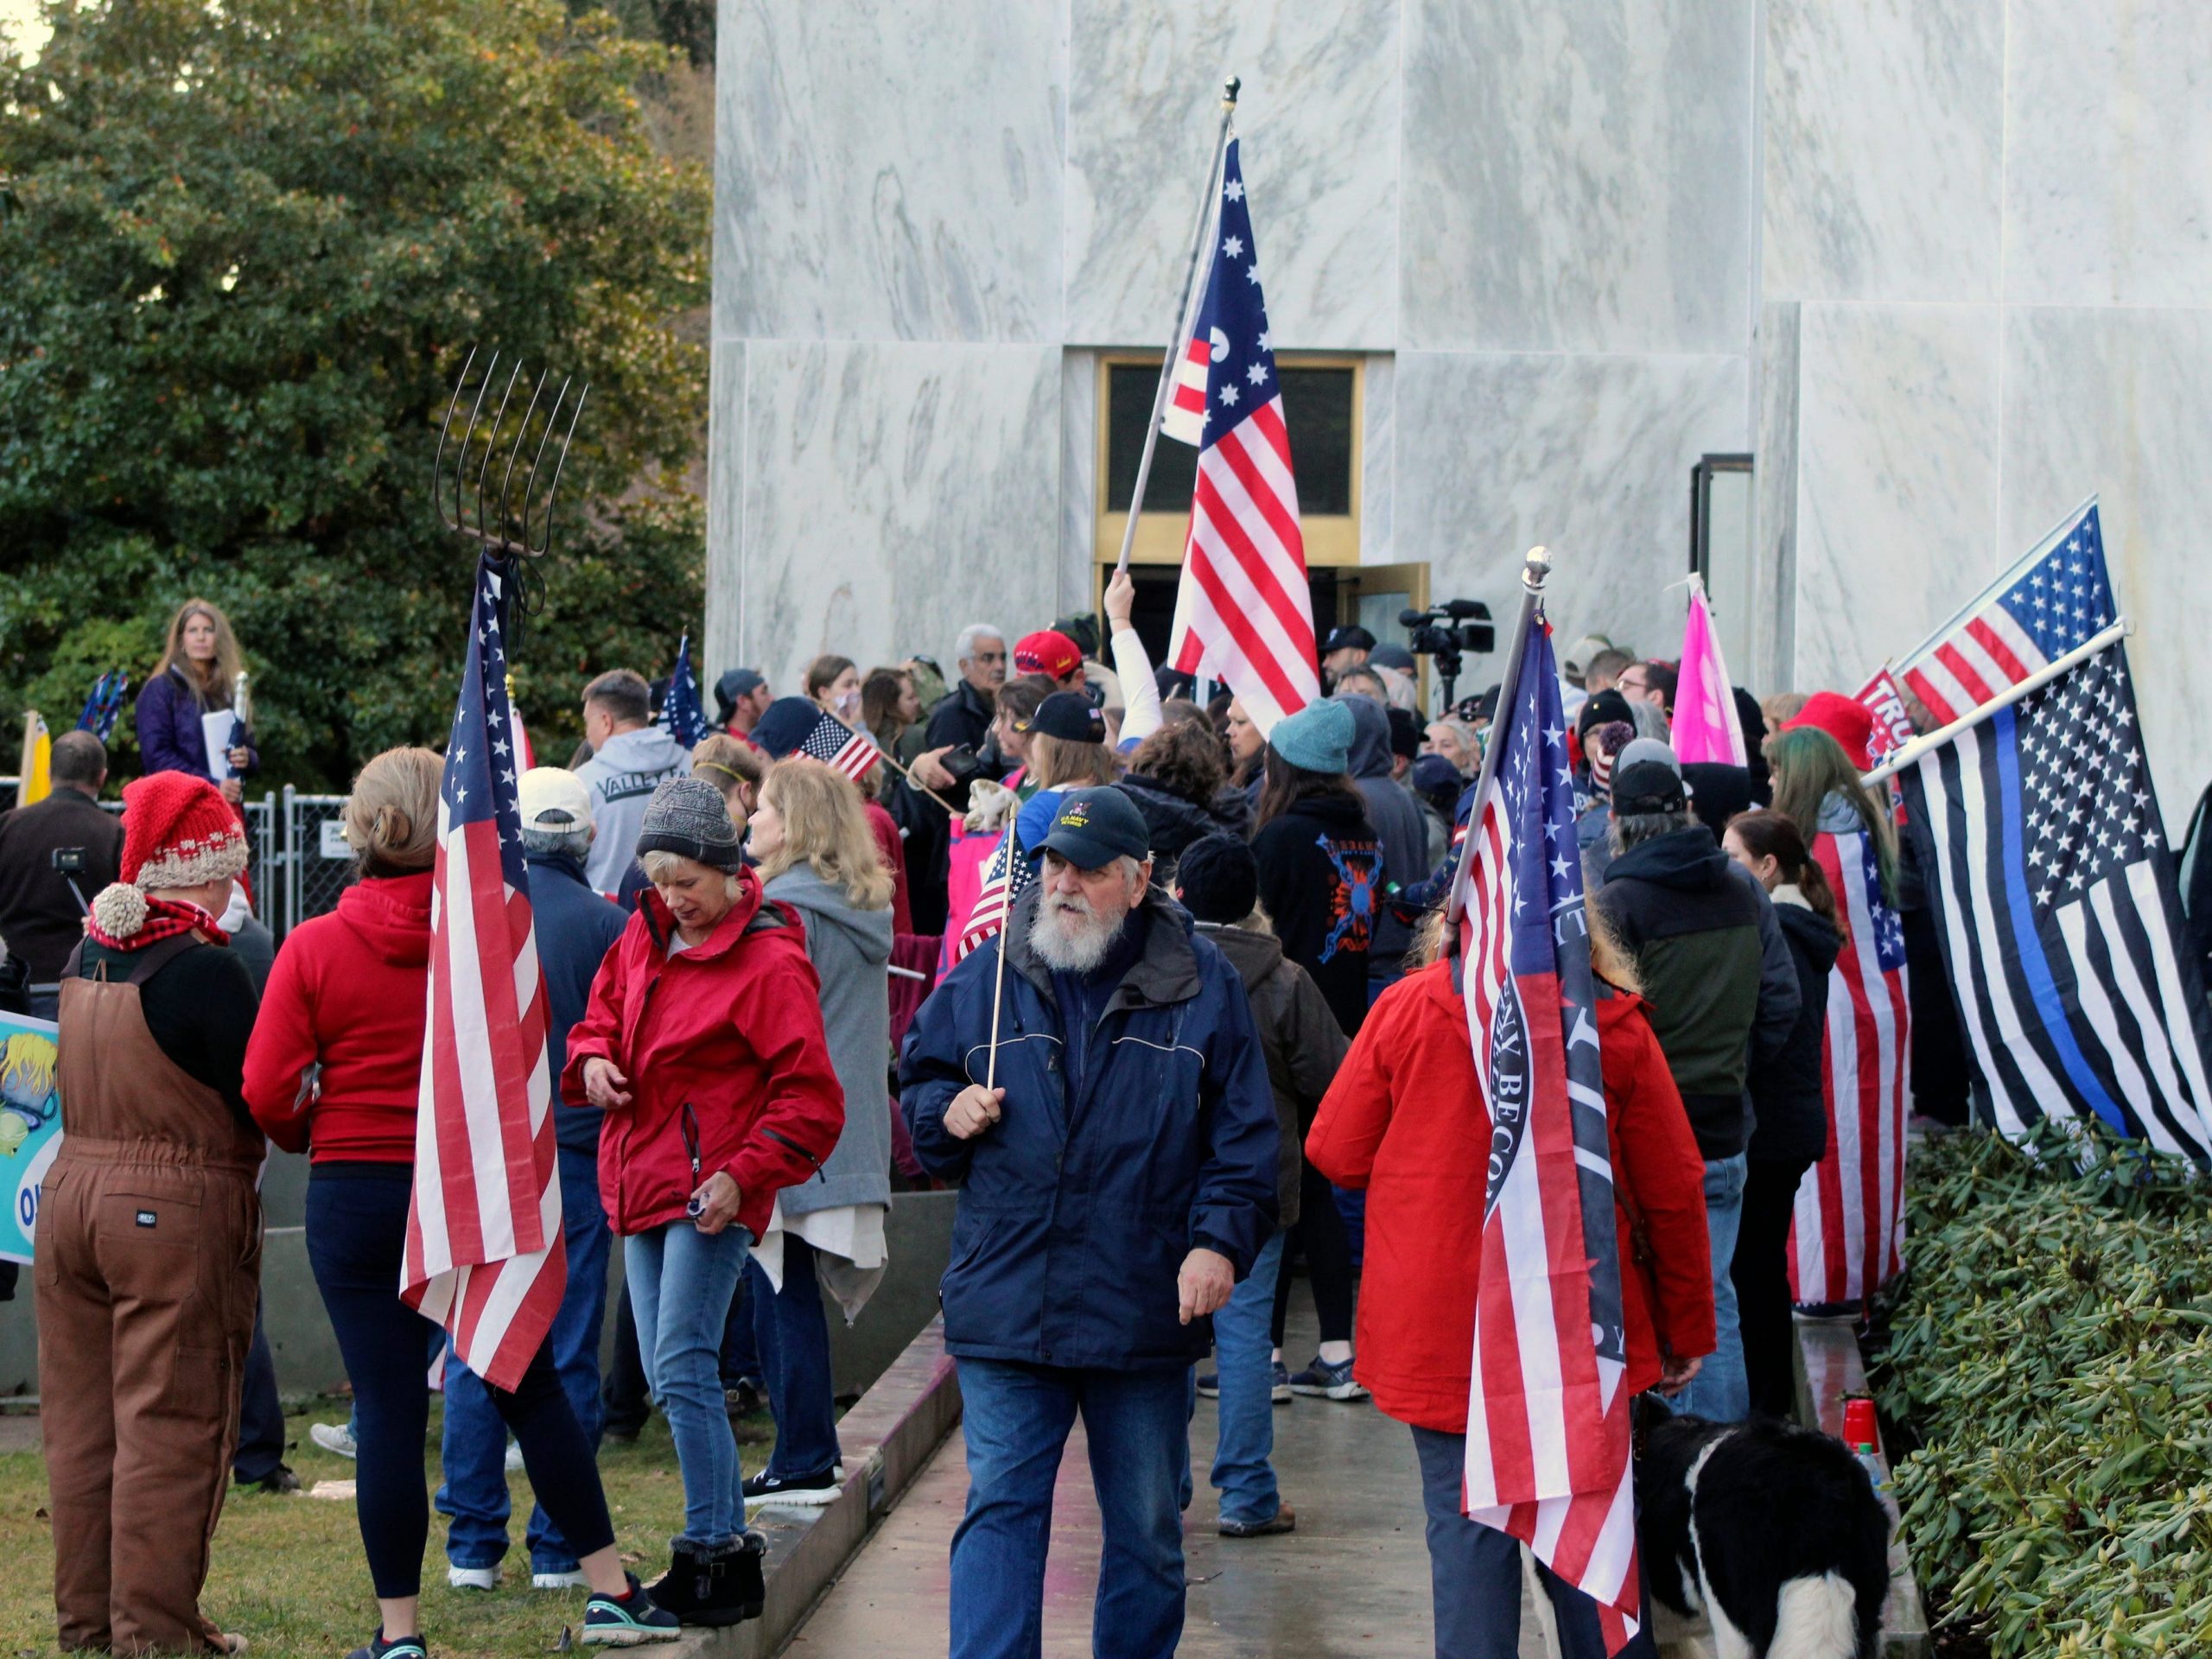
(170, 734)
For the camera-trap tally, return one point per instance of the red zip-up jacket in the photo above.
(346, 994)
(1403, 1120)
(732, 1029)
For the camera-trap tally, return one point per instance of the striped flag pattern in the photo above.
(1847, 1230)
(839, 747)
(1547, 1412)
(2052, 600)
(484, 1254)
(2049, 869)
(1243, 613)
(1003, 882)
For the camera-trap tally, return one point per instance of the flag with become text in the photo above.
(1547, 1406)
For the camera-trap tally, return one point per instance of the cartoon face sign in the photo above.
(27, 1087)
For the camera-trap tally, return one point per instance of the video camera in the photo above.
(1445, 632)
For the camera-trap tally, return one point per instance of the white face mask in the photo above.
(849, 707)
(236, 912)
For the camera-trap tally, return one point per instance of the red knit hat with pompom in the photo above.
(178, 831)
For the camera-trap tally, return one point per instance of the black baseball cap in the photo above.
(1093, 827)
(1070, 716)
(1351, 637)
(1648, 786)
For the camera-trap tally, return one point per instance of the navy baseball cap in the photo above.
(1094, 827)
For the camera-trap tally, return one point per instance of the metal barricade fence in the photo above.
(261, 832)
(318, 864)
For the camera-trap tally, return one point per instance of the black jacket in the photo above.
(1397, 816)
(1320, 883)
(39, 916)
(1694, 929)
(963, 716)
(1788, 1094)
(1176, 820)
(576, 927)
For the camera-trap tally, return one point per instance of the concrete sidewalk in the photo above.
(1352, 1579)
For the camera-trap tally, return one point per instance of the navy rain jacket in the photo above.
(1075, 1214)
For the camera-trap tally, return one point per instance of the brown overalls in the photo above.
(148, 1261)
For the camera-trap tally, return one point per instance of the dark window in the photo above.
(1317, 407)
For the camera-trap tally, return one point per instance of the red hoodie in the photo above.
(347, 993)
(1403, 1121)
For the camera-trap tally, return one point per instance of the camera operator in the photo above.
(46, 847)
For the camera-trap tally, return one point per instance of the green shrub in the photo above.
(2051, 1351)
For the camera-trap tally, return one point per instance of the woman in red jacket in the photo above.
(1404, 1121)
(334, 1069)
(702, 1043)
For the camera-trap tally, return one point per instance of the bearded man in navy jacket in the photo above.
(1113, 1187)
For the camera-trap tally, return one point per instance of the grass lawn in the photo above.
(288, 1571)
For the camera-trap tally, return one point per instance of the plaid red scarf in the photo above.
(165, 919)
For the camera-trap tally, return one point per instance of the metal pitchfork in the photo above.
(492, 519)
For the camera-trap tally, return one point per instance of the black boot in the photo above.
(713, 1586)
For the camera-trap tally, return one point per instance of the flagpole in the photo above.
(1912, 751)
(1535, 571)
(1180, 339)
(998, 973)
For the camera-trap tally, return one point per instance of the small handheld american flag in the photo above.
(839, 747)
(484, 1254)
(680, 711)
(1008, 874)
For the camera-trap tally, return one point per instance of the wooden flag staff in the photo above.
(1180, 339)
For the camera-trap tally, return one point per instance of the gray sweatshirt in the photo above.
(851, 952)
(621, 778)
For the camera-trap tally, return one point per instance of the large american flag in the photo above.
(1547, 1412)
(679, 710)
(1008, 873)
(2049, 866)
(1244, 613)
(1847, 1229)
(484, 1251)
(839, 747)
(2052, 600)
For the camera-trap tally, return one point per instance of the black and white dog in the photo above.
(1770, 1530)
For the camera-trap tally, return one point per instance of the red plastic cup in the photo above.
(1860, 1427)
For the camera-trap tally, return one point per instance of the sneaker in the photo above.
(278, 1483)
(514, 1458)
(574, 1580)
(473, 1577)
(1284, 1519)
(805, 1492)
(1329, 1382)
(624, 1624)
(1279, 1391)
(233, 1643)
(405, 1647)
(337, 1439)
(1209, 1387)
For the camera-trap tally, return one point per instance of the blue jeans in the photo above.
(1243, 1358)
(1015, 1420)
(1475, 1574)
(475, 1446)
(681, 1283)
(793, 1334)
(1722, 1390)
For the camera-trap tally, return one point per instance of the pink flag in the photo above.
(1706, 725)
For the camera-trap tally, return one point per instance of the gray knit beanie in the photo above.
(686, 817)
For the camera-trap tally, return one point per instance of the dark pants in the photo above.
(1320, 1233)
(357, 1234)
(261, 1413)
(792, 1330)
(1475, 1575)
(1761, 1272)
(1939, 1050)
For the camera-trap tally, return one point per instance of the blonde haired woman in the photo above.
(721, 1099)
(818, 855)
(200, 667)
(335, 1069)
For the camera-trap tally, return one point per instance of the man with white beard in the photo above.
(1114, 1185)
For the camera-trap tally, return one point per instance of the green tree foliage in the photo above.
(255, 243)
(2051, 1351)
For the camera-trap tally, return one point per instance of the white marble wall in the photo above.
(1588, 456)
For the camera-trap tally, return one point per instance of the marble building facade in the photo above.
(1943, 268)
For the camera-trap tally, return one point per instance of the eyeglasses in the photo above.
(990, 656)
